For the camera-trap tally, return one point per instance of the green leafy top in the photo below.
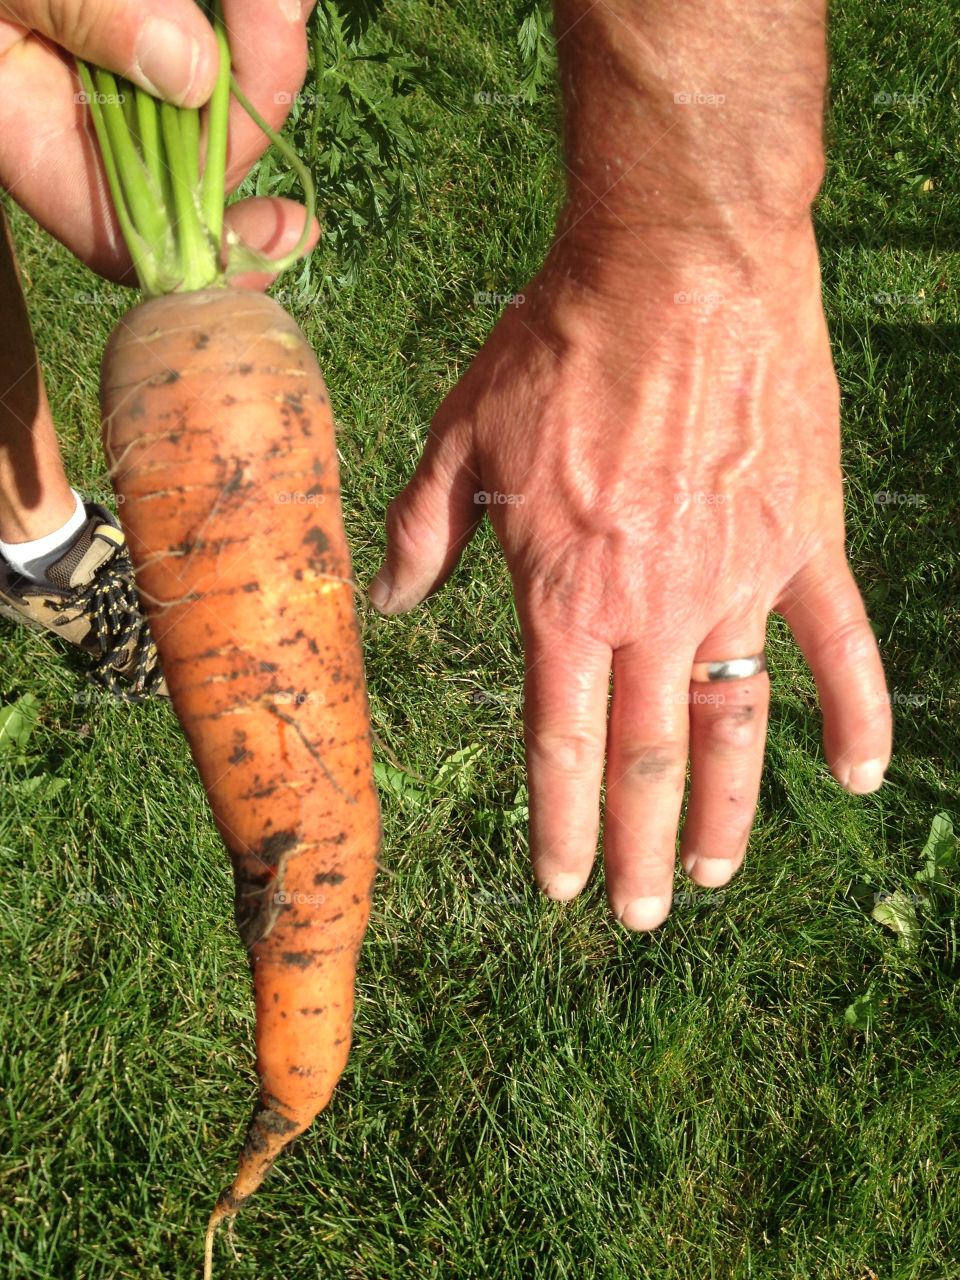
(170, 214)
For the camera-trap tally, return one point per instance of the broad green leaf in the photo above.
(27, 786)
(397, 783)
(861, 1013)
(518, 814)
(899, 914)
(940, 852)
(457, 768)
(16, 723)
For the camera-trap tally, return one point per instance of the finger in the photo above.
(728, 729)
(429, 523)
(41, 114)
(565, 714)
(646, 767)
(268, 49)
(826, 614)
(268, 225)
(167, 47)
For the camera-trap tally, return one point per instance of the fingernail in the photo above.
(710, 872)
(864, 777)
(563, 887)
(380, 591)
(645, 913)
(167, 60)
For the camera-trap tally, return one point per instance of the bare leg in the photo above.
(35, 498)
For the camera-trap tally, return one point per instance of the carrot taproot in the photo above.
(219, 436)
(220, 441)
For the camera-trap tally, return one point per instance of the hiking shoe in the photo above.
(90, 600)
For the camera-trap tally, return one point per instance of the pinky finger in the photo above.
(823, 608)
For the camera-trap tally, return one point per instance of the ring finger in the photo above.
(728, 729)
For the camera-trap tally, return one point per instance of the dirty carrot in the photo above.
(219, 436)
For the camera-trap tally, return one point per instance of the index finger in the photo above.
(268, 51)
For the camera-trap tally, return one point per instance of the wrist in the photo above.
(695, 116)
(732, 264)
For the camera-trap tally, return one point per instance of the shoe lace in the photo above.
(120, 631)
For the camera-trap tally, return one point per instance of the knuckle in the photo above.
(569, 751)
(852, 645)
(70, 25)
(731, 728)
(641, 762)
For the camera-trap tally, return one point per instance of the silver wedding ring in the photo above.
(730, 669)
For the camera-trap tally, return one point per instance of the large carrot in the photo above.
(219, 435)
(220, 440)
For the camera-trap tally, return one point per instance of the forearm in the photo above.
(691, 114)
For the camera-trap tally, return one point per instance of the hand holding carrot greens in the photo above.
(49, 160)
(654, 433)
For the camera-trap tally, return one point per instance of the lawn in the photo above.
(533, 1091)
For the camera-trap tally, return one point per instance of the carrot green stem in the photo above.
(171, 214)
(140, 251)
(148, 126)
(214, 171)
(196, 258)
(142, 203)
(244, 259)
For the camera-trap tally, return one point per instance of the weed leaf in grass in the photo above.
(457, 770)
(41, 785)
(454, 775)
(537, 49)
(16, 723)
(861, 1013)
(393, 781)
(939, 853)
(898, 913)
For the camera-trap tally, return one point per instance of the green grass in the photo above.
(533, 1092)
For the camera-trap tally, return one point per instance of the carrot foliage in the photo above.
(171, 213)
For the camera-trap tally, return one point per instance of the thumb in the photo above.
(429, 523)
(166, 48)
